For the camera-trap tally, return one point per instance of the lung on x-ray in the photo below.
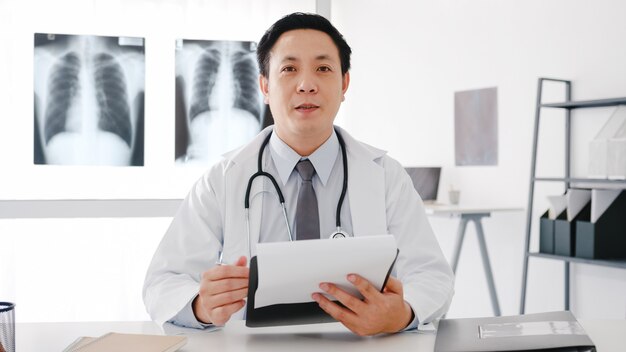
(89, 100)
(219, 105)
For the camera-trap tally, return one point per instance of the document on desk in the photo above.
(289, 272)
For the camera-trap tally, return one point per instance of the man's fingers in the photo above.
(351, 302)
(394, 285)
(225, 298)
(341, 314)
(220, 315)
(241, 261)
(225, 272)
(367, 290)
(225, 285)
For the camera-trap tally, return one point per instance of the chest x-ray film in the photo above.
(219, 105)
(89, 100)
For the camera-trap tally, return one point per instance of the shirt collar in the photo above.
(323, 158)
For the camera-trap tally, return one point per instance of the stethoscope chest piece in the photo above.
(339, 234)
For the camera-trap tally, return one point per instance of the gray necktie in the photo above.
(307, 214)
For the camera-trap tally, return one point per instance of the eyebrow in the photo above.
(317, 58)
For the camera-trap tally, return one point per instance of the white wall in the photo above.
(409, 59)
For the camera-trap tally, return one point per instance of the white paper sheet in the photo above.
(289, 272)
(601, 199)
(557, 205)
(576, 201)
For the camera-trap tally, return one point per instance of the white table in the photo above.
(474, 214)
(608, 336)
(234, 337)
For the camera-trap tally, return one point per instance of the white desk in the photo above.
(234, 337)
(608, 335)
(474, 214)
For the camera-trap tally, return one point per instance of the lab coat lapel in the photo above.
(256, 210)
(366, 188)
(242, 165)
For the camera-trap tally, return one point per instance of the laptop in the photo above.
(426, 182)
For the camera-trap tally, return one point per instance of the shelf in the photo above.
(579, 180)
(586, 103)
(600, 262)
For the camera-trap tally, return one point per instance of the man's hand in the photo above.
(385, 312)
(222, 292)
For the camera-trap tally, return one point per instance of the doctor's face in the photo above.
(304, 87)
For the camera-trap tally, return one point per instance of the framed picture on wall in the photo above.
(476, 127)
(219, 105)
(88, 100)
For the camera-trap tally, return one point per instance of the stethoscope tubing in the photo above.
(260, 173)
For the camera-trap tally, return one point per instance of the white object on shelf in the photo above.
(576, 201)
(609, 147)
(557, 205)
(616, 158)
(601, 199)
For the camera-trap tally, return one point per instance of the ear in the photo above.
(345, 82)
(264, 85)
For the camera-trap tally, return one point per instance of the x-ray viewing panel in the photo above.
(88, 100)
(219, 105)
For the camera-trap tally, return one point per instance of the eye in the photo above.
(324, 69)
(288, 69)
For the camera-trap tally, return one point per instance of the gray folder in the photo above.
(553, 331)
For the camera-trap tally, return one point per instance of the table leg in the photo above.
(460, 235)
(487, 266)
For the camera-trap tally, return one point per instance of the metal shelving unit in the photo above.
(568, 105)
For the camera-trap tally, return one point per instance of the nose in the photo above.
(307, 84)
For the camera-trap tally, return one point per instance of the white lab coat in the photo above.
(382, 201)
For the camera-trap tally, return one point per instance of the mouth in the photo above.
(306, 107)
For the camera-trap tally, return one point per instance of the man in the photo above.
(304, 64)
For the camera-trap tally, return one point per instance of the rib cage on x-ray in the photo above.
(246, 82)
(63, 88)
(82, 93)
(110, 83)
(112, 97)
(204, 79)
(220, 87)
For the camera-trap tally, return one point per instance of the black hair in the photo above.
(299, 20)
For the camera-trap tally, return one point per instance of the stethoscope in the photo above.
(338, 233)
